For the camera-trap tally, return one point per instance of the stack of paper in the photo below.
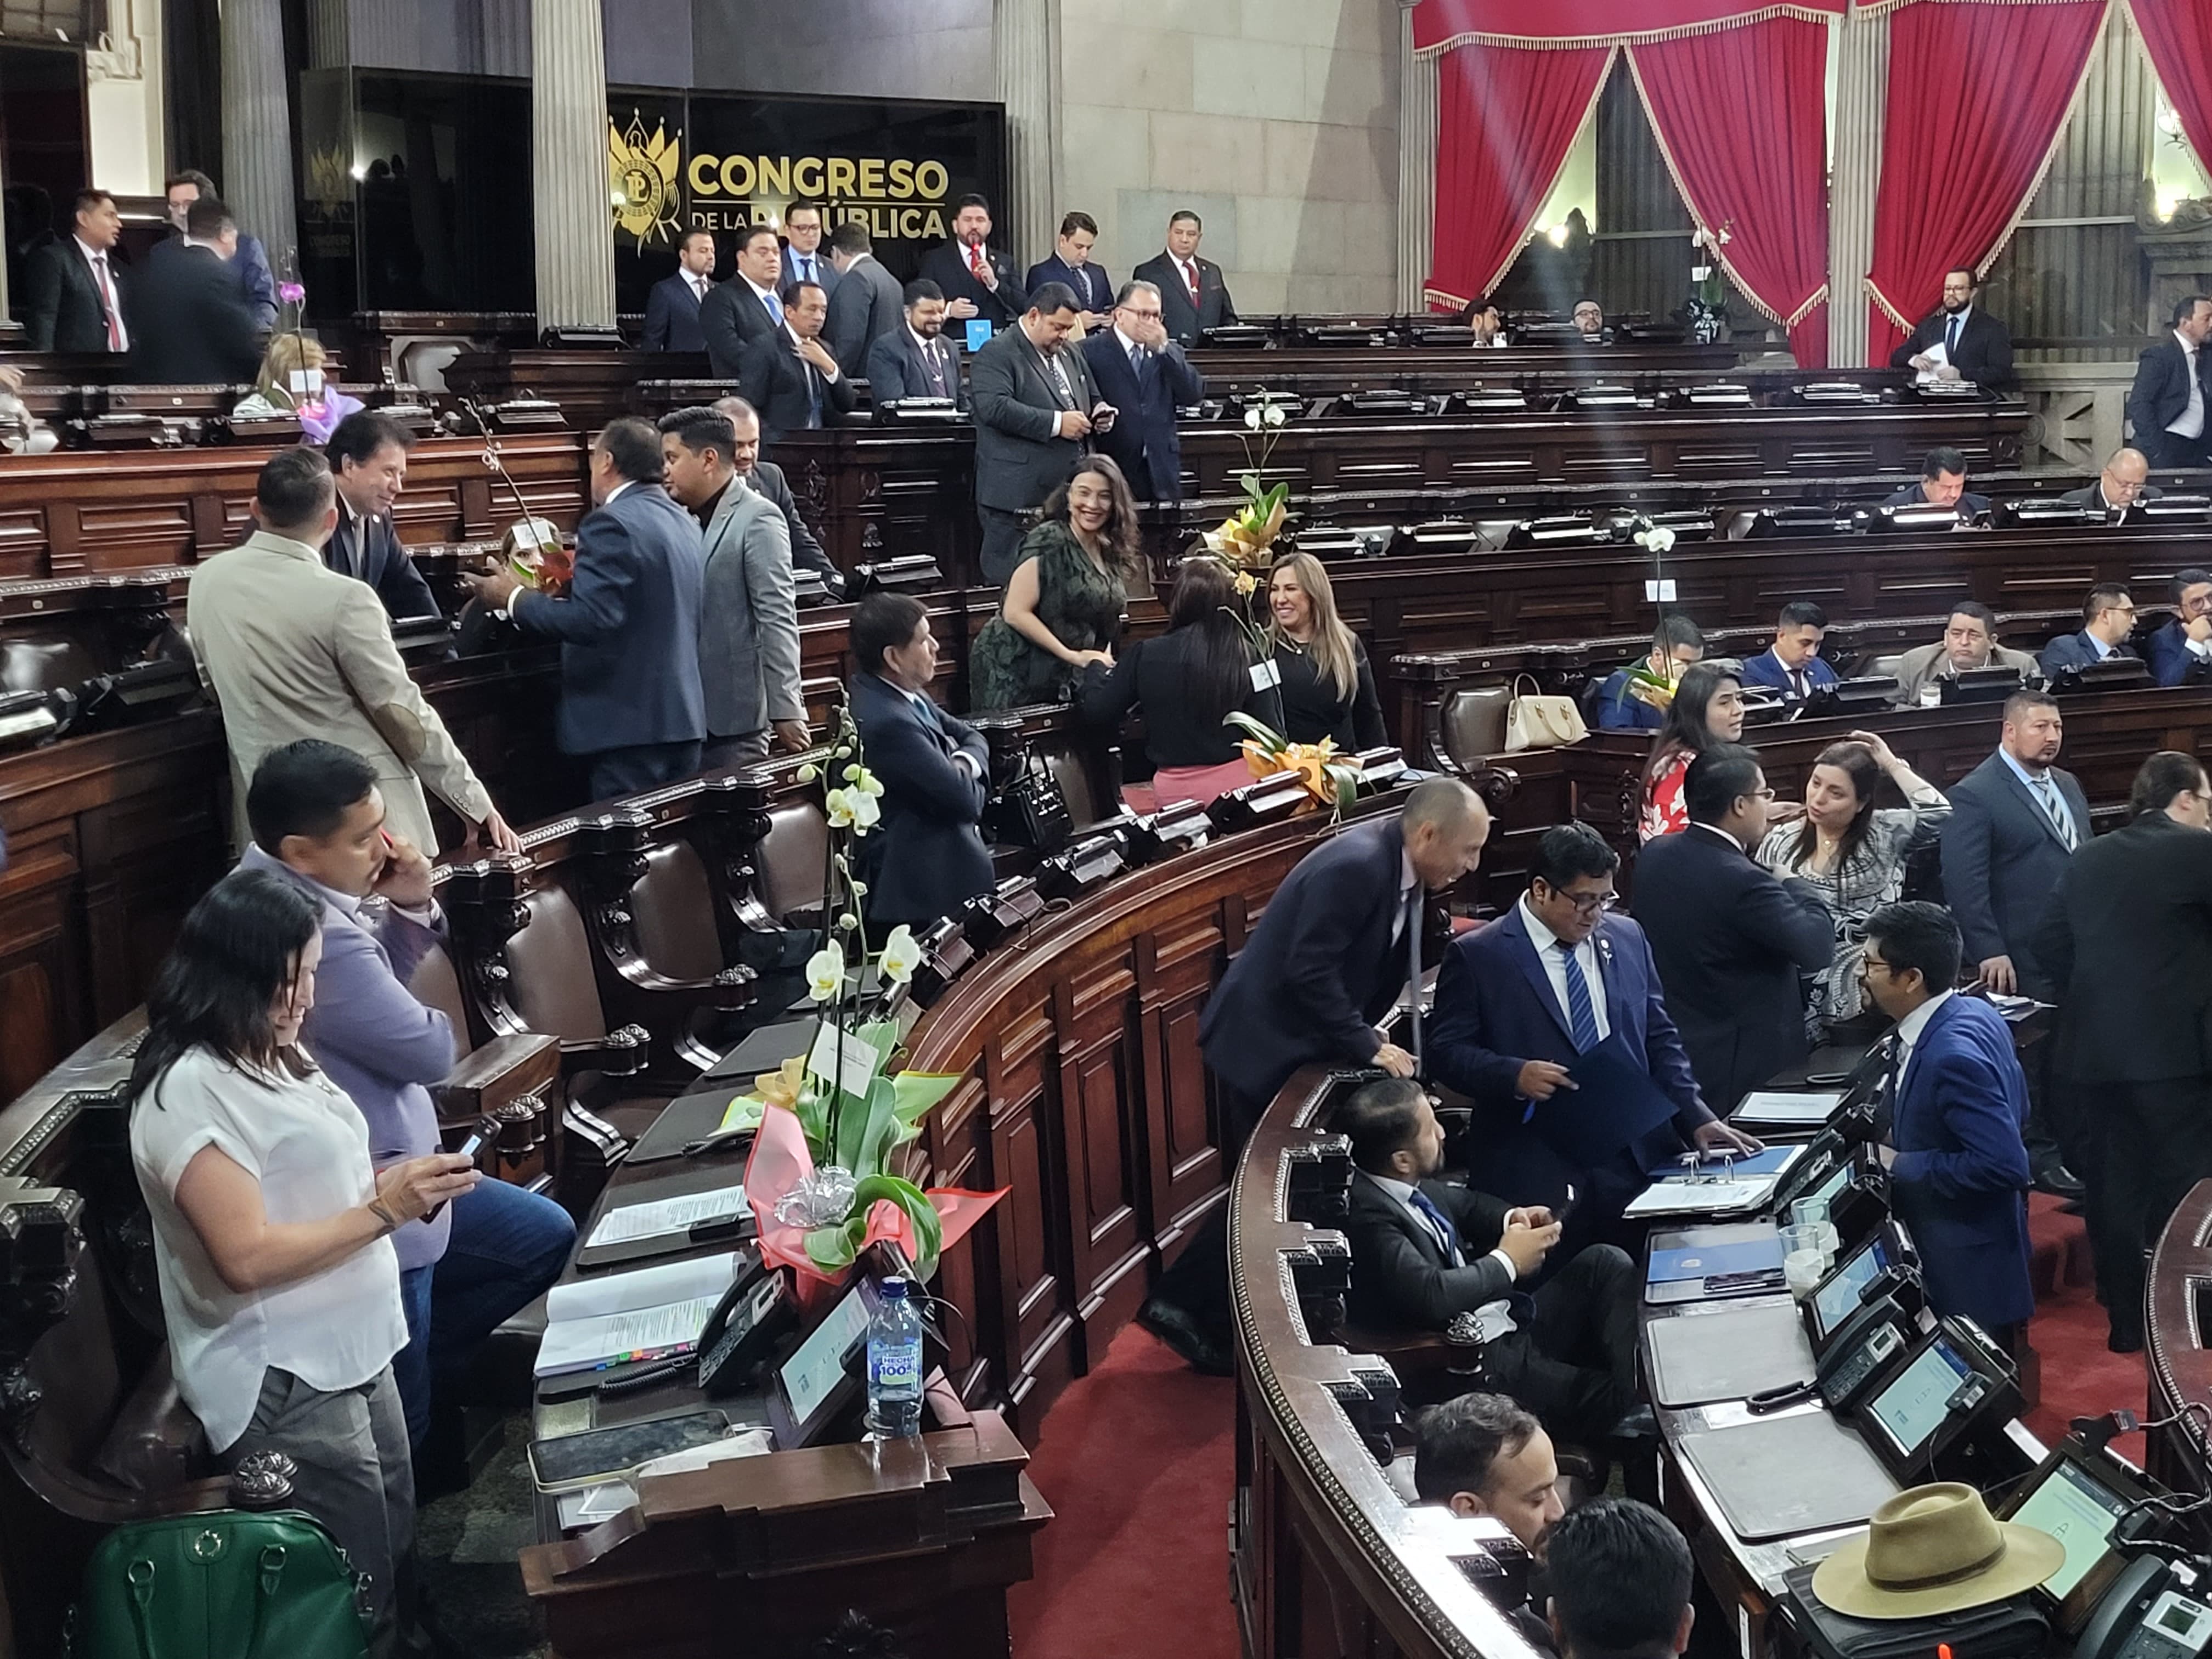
(1808, 1108)
(1700, 1197)
(666, 1217)
(652, 1313)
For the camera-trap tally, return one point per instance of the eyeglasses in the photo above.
(1133, 310)
(1590, 904)
(1766, 794)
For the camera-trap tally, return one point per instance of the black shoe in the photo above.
(2059, 1182)
(1202, 1351)
(2120, 1341)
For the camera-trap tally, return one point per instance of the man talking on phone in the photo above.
(318, 820)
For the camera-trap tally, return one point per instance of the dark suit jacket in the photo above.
(927, 857)
(250, 266)
(1017, 460)
(947, 265)
(1729, 941)
(672, 315)
(1495, 1011)
(1765, 668)
(2073, 650)
(1619, 711)
(628, 628)
(1985, 353)
(868, 304)
(1093, 286)
(1184, 321)
(2161, 391)
(895, 369)
(825, 276)
(1909, 496)
(731, 317)
(2001, 859)
(61, 309)
(1144, 442)
(369, 551)
(2126, 942)
(1400, 1277)
(776, 379)
(807, 553)
(1319, 970)
(2172, 661)
(1960, 1180)
(190, 324)
(2093, 495)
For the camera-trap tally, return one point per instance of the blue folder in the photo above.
(1704, 1261)
(1773, 1161)
(1614, 1104)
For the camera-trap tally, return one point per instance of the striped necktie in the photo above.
(2054, 805)
(1580, 1014)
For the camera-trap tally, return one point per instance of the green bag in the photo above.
(224, 1584)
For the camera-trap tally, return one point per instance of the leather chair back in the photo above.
(437, 984)
(1474, 722)
(673, 904)
(1885, 665)
(790, 855)
(549, 959)
(44, 665)
(1066, 765)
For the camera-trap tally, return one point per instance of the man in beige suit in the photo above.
(294, 650)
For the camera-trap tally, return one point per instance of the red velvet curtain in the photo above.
(1742, 116)
(1506, 118)
(2178, 36)
(1976, 94)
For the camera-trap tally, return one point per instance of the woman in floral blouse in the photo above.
(1707, 709)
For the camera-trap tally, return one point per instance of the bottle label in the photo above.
(897, 1365)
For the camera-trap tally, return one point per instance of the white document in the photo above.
(746, 1443)
(581, 1345)
(666, 1216)
(1699, 1197)
(644, 1287)
(594, 1505)
(1775, 1106)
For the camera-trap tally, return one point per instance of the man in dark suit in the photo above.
(794, 381)
(673, 303)
(1483, 1454)
(1793, 665)
(975, 281)
(2180, 652)
(2108, 617)
(1193, 295)
(1943, 484)
(1976, 346)
(631, 702)
(367, 454)
(190, 324)
(915, 359)
(1332, 953)
(1425, 1251)
(928, 857)
(1071, 262)
(2124, 480)
(865, 305)
(1677, 645)
(1729, 938)
(2172, 385)
(251, 263)
(1145, 377)
(1035, 409)
(2127, 940)
(1960, 1178)
(746, 308)
(73, 297)
(805, 259)
(1520, 1001)
(766, 477)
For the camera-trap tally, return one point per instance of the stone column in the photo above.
(568, 165)
(257, 127)
(1417, 164)
(1862, 85)
(1026, 39)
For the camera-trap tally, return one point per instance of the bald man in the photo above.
(2124, 480)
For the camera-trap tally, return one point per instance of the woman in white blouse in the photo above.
(279, 1286)
(1854, 854)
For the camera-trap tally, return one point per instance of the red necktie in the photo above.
(108, 303)
(975, 259)
(1190, 275)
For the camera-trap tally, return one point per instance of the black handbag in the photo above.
(1032, 812)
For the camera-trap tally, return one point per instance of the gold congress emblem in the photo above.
(641, 178)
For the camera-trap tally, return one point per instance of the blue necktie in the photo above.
(2061, 818)
(1447, 1234)
(1951, 340)
(1580, 1014)
(805, 267)
(775, 309)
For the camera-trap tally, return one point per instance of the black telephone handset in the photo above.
(743, 1331)
(2146, 1615)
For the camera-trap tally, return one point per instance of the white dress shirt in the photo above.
(828, 375)
(2189, 424)
(1496, 1318)
(1555, 970)
(1910, 1027)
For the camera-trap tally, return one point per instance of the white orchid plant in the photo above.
(1244, 535)
(1643, 683)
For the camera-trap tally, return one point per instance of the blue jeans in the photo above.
(507, 1245)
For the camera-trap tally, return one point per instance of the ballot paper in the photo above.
(656, 1286)
(1700, 1197)
(1939, 358)
(666, 1216)
(1798, 1107)
(652, 1312)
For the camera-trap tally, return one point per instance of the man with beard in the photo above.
(975, 281)
(1976, 346)
(915, 359)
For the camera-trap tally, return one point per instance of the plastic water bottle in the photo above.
(894, 1362)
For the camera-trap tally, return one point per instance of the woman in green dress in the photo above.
(1063, 603)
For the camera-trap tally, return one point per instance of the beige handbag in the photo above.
(1535, 721)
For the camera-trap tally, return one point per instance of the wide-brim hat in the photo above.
(1932, 1550)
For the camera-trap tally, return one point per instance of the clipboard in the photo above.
(1613, 1104)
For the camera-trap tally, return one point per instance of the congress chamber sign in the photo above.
(714, 163)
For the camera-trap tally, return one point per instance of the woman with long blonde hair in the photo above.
(1328, 689)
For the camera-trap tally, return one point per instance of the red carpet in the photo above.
(1137, 1463)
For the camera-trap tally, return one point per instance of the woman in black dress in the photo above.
(1328, 689)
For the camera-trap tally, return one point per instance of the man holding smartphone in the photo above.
(465, 1268)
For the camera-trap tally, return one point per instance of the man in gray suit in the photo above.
(863, 305)
(747, 622)
(915, 359)
(1035, 404)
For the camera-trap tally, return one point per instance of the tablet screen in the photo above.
(1913, 1406)
(1839, 1298)
(1836, 1181)
(818, 1363)
(2079, 1512)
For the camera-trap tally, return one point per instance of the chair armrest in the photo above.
(1410, 1352)
(191, 1498)
(498, 1075)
